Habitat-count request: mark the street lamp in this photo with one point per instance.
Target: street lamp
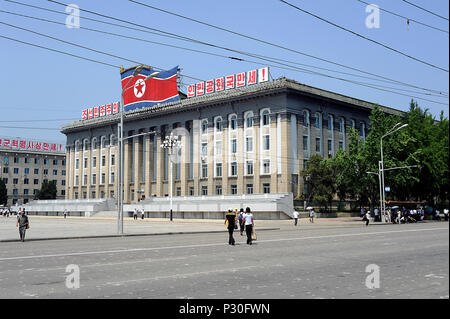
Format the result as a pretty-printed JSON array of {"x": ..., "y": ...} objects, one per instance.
[
  {"x": 136, "y": 72},
  {"x": 170, "y": 143},
  {"x": 394, "y": 129}
]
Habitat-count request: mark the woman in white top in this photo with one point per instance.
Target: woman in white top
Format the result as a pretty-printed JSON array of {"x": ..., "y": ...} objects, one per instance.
[{"x": 249, "y": 224}]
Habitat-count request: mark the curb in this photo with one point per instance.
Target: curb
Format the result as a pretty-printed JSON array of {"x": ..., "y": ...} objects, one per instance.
[{"x": 126, "y": 235}]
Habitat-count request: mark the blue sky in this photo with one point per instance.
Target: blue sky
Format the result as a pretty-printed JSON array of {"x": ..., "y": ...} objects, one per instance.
[{"x": 46, "y": 90}]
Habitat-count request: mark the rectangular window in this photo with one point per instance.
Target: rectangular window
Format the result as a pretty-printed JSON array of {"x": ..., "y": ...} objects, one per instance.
[
  {"x": 178, "y": 191},
  {"x": 63, "y": 162},
  {"x": 26, "y": 171},
  {"x": 63, "y": 182},
  {"x": 111, "y": 194},
  {"x": 25, "y": 191},
  {"x": 204, "y": 170},
  {"x": 15, "y": 191},
  {"x": 36, "y": 171},
  {"x": 249, "y": 167},
  {"x": 204, "y": 149},
  {"x": 93, "y": 194},
  {"x": 85, "y": 162},
  {"x": 85, "y": 180},
  {"x": 266, "y": 188},
  {"x": 219, "y": 190},
  {"x": 191, "y": 191},
  {"x": 15, "y": 181},
  {"x": 55, "y": 162},
  {"x": 233, "y": 189},
  {"x": 76, "y": 180},
  {"x": 318, "y": 144},
  {"x": 233, "y": 169},
  {"x": 218, "y": 169},
  {"x": 94, "y": 179},
  {"x": 36, "y": 161},
  {"x": 330, "y": 146},
  {"x": 84, "y": 195},
  {"x": 45, "y": 171},
  {"x": 63, "y": 172},
  {"x": 36, "y": 181},
  {"x": 6, "y": 160},
  {"x": 94, "y": 161},
  {"x": 233, "y": 146},
  {"x": 266, "y": 142},
  {"x": 76, "y": 195},
  {"x": 16, "y": 160},
  {"x": 45, "y": 161},
  {"x": 204, "y": 190},
  {"x": 103, "y": 178},
  {"x": 112, "y": 160},
  {"x": 26, "y": 181},
  {"x": 305, "y": 142},
  {"x": 63, "y": 192},
  {"x": 5, "y": 170},
  {"x": 55, "y": 172},
  {"x": 249, "y": 188},
  {"x": 77, "y": 163},
  {"x": 249, "y": 144},
  {"x": 218, "y": 147},
  {"x": 103, "y": 160},
  {"x": 266, "y": 166},
  {"x": 111, "y": 178},
  {"x": 16, "y": 170},
  {"x": 341, "y": 145},
  {"x": 5, "y": 180},
  {"x": 26, "y": 160}
]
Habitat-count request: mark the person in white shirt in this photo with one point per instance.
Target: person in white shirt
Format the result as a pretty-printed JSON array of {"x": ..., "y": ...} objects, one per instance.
[
  {"x": 311, "y": 215},
  {"x": 446, "y": 214},
  {"x": 249, "y": 224},
  {"x": 367, "y": 218},
  {"x": 295, "y": 215}
]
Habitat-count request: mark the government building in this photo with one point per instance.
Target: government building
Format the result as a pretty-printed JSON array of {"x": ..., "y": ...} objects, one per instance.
[
  {"x": 25, "y": 164},
  {"x": 249, "y": 140}
]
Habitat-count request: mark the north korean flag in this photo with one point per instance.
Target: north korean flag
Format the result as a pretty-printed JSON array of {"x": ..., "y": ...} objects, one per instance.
[{"x": 156, "y": 90}]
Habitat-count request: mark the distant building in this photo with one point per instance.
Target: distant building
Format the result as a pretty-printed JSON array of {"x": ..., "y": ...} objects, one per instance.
[
  {"x": 25, "y": 164},
  {"x": 249, "y": 140}
]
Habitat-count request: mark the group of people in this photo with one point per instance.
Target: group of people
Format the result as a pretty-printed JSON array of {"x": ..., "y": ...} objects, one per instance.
[
  {"x": 295, "y": 215},
  {"x": 395, "y": 215},
  {"x": 5, "y": 212},
  {"x": 136, "y": 212},
  {"x": 242, "y": 220}
]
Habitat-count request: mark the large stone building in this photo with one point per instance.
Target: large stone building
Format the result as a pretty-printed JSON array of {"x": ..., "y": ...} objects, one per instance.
[
  {"x": 251, "y": 140},
  {"x": 25, "y": 164}
]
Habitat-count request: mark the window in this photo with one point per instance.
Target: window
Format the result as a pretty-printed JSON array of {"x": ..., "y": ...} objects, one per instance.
[
  {"x": 45, "y": 171},
  {"x": 5, "y": 170},
  {"x": 85, "y": 180},
  {"x": 5, "y": 180},
  {"x": 55, "y": 182},
  {"x": 84, "y": 195},
  {"x": 330, "y": 123},
  {"x": 249, "y": 144},
  {"x": 234, "y": 146},
  {"x": 6, "y": 160},
  {"x": 55, "y": 162},
  {"x": 103, "y": 160},
  {"x": 16, "y": 160},
  {"x": 233, "y": 122},
  {"x": 191, "y": 191},
  {"x": 77, "y": 163},
  {"x": 55, "y": 172},
  {"x": 36, "y": 161},
  {"x": 204, "y": 149},
  {"x": 266, "y": 142},
  {"x": 94, "y": 179},
  {"x": 93, "y": 194},
  {"x": 249, "y": 120},
  {"x": 111, "y": 178},
  {"x": 219, "y": 190},
  {"x": 218, "y": 169},
  {"x": 341, "y": 125},
  {"x": 85, "y": 145},
  {"x": 204, "y": 190},
  {"x": 16, "y": 170},
  {"x": 219, "y": 124},
  {"x": 317, "y": 120},
  {"x": 341, "y": 145},
  {"x": 204, "y": 127},
  {"x": 305, "y": 142},
  {"x": 266, "y": 166},
  {"x": 249, "y": 188},
  {"x": 111, "y": 194},
  {"x": 103, "y": 178},
  {"x": 63, "y": 192},
  {"x": 318, "y": 144},
  {"x": 94, "y": 161},
  {"x": 15, "y": 191},
  {"x": 85, "y": 162},
  {"x": 36, "y": 191},
  {"x": 204, "y": 170},
  {"x": 26, "y": 171},
  {"x": 266, "y": 188},
  {"x": 63, "y": 172},
  {"x": 25, "y": 191},
  {"x": 305, "y": 118},
  {"x": 15, "y": 181},
  {"x": 330, "y": 147},
  {"x": 265, "y": 117},
  {"x": 76, "y": 180},
  {"x": 26, "y": 160},
  {"x": 63, "y": 182},
  {"x": 94, "y": 143},
  {"x": 178, "y": 191},
  {"x": 36, "y": 171},
  {"x": 362, "y": 130},
  {"x": 63, "y": 162},
  {"x": 233, "y": 189},
  {"x": 26, "y": 181},
  {"x": 218, "y": 147},
  {"x": 233, "y": 169},
  {"x": 112, "y": 160},
  {"x": 76, "y": 195},
  {"x": 46, "y": 161},
  {"x": 249, "y": 167}
]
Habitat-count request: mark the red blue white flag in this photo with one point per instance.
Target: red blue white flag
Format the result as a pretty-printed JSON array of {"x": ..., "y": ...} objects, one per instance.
[{"x": 160, "y": 89}]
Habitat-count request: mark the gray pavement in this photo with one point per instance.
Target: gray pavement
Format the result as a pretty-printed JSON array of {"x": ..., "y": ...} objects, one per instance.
[{"x": 327, "y": 260}]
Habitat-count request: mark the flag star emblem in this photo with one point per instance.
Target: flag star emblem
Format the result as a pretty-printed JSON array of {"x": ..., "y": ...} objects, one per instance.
[{"x": 139, "y": 88}]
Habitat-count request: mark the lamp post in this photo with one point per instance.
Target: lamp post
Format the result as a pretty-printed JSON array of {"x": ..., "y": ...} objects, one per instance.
[
  {"x": 136, "y": 72},
  {"x": 170, "y": 143},
  {"x": 394, "y": 129}
]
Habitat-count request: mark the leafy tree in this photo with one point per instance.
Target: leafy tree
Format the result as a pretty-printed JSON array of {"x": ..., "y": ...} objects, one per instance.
[
  {"x": 3, "y": 193},
  {"x": 47, "y": 191}
]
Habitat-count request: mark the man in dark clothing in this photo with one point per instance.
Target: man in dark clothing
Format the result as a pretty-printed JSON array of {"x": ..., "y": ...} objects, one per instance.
[
  {"x": 241, "y": 221},
  {"x": 230, "y": 217},
  {"x": 23, "y": 224}
]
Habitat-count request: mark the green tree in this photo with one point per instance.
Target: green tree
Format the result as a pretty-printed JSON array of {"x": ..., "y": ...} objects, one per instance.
[
  {"x": 3, "y": 193},
  {"x": 47, "y": 191}
]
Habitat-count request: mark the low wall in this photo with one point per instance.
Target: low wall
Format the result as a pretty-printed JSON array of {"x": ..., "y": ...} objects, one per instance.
[{"x": 209, "y": 215}]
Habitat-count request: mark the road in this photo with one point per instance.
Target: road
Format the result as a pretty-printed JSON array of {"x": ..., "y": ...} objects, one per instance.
[{"x": 324, "y": 262}]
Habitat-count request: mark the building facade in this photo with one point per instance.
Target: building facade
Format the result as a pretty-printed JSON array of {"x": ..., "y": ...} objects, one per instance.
[
  {"x": 251, "y": 140},
  {"x": 24, "y": 172}
]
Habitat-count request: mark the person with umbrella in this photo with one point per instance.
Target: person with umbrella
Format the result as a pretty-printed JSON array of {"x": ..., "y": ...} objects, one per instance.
[{"x": 311, "y": 213}]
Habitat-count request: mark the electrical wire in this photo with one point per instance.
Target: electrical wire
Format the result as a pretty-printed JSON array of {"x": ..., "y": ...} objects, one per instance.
[
  {"x": 421, "y": 8},
  {"x": 364, "y": 37}
]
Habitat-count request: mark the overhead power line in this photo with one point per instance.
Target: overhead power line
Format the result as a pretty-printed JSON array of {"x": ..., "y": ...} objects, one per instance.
[
  {"x": 237, "y": 51},
  {"x": 426, "y": 10},
  {"x": 406, "y": 18},
  {"x": 364, "y": 37}
]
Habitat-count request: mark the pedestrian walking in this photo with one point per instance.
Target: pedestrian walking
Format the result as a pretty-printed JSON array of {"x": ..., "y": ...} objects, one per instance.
[
  {"x": 23, "y": 224},
  {"x": 241, "y": 221},
  {"x": 230, "y": 222},
  {"x": 367, "y": 218},
  {"x": 135, "y": 214},
  {"x": 446, "y": 214},
  {"x": 295, "y": 215},
  {"x": 65, "y": 213},
  {"x": 249, "y": 224},
  {"x": 142, "y": 214},
  {"x": 376, "y": 213},
  {"x": 311, "y": 215}
]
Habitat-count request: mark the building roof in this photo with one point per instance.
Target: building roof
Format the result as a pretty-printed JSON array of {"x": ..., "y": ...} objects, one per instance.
[{"x": 268, "y": 88}]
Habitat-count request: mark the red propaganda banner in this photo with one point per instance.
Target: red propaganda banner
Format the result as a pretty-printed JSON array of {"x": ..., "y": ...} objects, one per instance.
[
  {"x": 90, "y": 113},
  {"x": 240, "y": 79},
  {"x": 210, "y": 86},
  {"x": 161, "y": 88},
  {"x": 191, "y": 90},
  {"x": 108, "y": 109},
  {"x": 220, "y": 84},
  {"x": 200, "y": 88},
  {"x": 102, "y": 110},
  {"x": 19, "y": 144},
  {"x": 229, "y": 82},
  {"x": 84, "y": 114},
  {"x": 96, "y": 111},
  {"x": 115, "y": 108},
  {"x": 251, "y": 77}
]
